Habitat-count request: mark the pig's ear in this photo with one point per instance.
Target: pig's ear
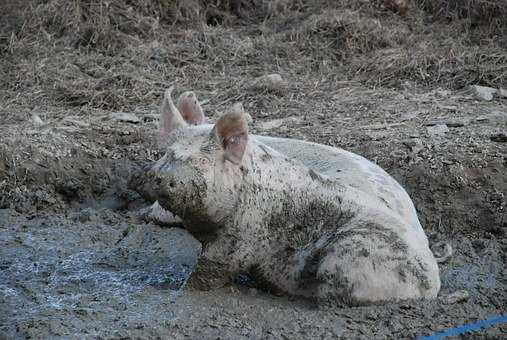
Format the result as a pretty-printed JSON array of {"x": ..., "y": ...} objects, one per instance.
[
  {"x": 231, "y": 131},
  {"x": 170, "y": 116},
  {"x": 190, "y": 109}
]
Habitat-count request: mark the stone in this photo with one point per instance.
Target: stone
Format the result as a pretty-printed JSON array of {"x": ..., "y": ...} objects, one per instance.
[
  {"x": 483, "y": 92},
  {"x": 493, "y": 117},
  {"x": 36, "y": 120},
  {"x": 499, "y": 138},
  {"x": 270, "y": 82},
  {"x": 448, "y": 107},
  {"x": 415, "y": 145},
  {"x": 125, "y": 117},
  {"x": 449, "y": 123},
  {"x": 456, "y": 123},
  {"x": 76, "y": 121},
  {"x": 438, "y": 129},
  {"x": 502, "y": 92},
  {"x": 457, "y": 296}
]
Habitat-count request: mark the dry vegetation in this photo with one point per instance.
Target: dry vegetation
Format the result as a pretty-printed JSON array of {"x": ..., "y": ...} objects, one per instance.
[{"x": 117, "y": 54}]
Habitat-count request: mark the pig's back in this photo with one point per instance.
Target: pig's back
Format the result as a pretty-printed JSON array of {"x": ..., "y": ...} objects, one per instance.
[{"x": 350, "y": 170}]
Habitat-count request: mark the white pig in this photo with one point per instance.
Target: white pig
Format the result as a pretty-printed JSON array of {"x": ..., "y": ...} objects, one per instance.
[{"x": 305, "y": 219}]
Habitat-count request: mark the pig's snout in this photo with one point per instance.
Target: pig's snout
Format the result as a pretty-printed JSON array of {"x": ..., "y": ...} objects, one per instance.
[
  {"x": 172, "y": 184},
  {"x": 148, "y": 183}
]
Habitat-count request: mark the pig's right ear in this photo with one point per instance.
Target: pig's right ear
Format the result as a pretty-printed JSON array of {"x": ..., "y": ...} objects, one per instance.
[
  {"x": 231, "y": 131},
  {"x": 170, "y": 116}
]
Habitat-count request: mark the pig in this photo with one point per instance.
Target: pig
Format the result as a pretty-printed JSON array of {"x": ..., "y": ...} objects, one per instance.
[{"x": 304, "y": 219}]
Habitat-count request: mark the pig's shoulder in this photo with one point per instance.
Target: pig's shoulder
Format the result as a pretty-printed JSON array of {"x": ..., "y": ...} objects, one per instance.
[{"x": 322, "y": 158}]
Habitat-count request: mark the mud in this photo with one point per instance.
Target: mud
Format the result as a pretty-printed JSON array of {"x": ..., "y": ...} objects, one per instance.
[{"x": 77, "y": 261}]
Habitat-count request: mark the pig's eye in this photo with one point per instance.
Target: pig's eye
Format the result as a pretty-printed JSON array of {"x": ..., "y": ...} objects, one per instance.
[
  {"x": 200, "y": 161},
  {"x": 234, "y": 140}
]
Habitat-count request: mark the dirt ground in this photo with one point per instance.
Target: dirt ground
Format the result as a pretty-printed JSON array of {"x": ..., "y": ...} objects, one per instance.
[{"x": 77, "y": 260}]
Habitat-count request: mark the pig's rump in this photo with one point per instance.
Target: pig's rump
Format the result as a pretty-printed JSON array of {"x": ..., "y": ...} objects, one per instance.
[
  {"x": 385, "y": 228},
  {"x": 350, "y": 170}
]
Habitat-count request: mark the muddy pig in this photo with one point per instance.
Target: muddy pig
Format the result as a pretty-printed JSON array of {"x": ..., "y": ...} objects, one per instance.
[{"x": 307, "y": 219}]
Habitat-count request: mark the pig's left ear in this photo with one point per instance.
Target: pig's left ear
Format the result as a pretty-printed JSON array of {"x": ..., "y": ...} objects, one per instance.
[
  {"x": 231, "y": 131},
  {"x": 190, "y": 108}
]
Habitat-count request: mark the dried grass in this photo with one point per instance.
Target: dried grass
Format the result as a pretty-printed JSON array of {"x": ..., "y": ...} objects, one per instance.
[
  {"x": 476, "y": 10},
  {"x": 119, "y": 54}
]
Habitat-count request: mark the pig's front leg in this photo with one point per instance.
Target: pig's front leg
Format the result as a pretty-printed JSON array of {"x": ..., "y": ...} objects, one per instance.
[
  {"x": 225, "y": 255},
  {"x": 209, "y": 275}
]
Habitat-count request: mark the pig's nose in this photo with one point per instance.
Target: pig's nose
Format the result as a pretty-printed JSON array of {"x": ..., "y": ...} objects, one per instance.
[{"x": 158, "y": 180}]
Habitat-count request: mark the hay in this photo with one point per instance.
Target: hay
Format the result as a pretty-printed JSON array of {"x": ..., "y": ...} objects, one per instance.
[
  {"x": 451, "y": 66},
  {"x": 120, "y": 54},
  {"x": 481, "y": 11}
]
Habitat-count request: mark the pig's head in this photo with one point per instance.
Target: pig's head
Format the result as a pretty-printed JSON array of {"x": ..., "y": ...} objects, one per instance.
[{"x": 199, "y": 177}]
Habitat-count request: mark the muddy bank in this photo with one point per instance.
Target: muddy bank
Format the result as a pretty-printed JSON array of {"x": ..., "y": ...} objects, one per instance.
[
  {"x": 80, "y": 263},
  {"x": 95, "y": 273}
]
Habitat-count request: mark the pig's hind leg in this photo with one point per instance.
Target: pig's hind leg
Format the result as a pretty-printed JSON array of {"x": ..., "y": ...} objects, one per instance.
[{"x": 371, "y": 264}]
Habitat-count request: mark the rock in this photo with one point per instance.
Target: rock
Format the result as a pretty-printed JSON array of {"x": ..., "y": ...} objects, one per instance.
[
  {"x": 499, "y": 137},
  {"x": 494, "y": 117},
  {"x": 443, "y": 250},
  {"x": 456, "y": 123},
  {"x": 159, "y": 54},
  {"x": 415, "y": 145},
  {"x": 151, "y": 117},
  {"x": 483, "y": 92},
  {"x": 273, "y": 82},
  {"x": 36, "y": 120},
  {"x": 271, "y": 124},
  {"x": 448, "y": 107},
  {"x": 125, "y": 117},
  {"x": 481, "y": 119},
  {"x": 438, "y": 129},
  {"x": 502, "y": 92},
  {"x": 449, "y": 123},
  {"x": 76, "y": 121},
  {"x": 458, "y": 296},
  {"x": 281, "y": 123}
]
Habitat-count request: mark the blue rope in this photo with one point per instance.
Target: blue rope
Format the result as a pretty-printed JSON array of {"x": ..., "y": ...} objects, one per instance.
[{"x": 466, "y": 328}]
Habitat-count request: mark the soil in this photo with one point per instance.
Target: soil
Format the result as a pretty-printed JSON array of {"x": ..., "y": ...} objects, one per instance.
[{"x": 78, "y": 258}]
